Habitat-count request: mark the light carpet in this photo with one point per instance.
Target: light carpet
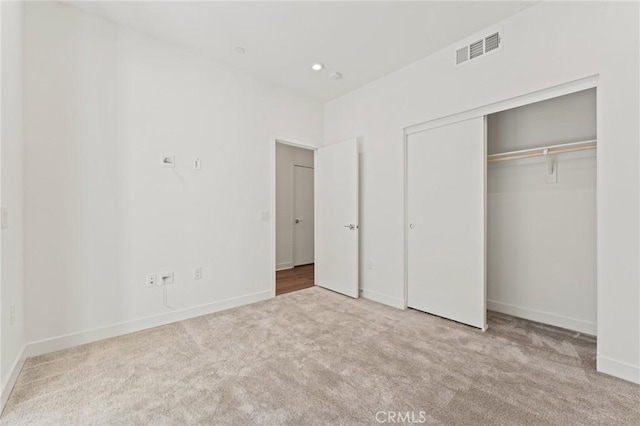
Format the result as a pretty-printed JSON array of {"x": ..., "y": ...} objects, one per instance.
[{"x": 316, "y": 357}]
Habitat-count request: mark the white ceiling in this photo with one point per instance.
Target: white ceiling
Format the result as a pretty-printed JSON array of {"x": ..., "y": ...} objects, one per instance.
[{"x": 362, "y": 40}]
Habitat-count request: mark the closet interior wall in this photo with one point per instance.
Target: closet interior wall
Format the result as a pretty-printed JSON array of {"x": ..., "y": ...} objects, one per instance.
[{"x": 541, "y": 237}]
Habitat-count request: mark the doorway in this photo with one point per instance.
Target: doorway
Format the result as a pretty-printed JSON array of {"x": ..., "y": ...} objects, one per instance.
[
  {"x": 335, "y": 217},
  {"x": 295, "y": 219},
  {"x": 541, "y": 212}
]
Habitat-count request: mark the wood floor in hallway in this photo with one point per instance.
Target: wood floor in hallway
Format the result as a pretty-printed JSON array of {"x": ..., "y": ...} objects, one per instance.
[{"x": 294, "y": 279}]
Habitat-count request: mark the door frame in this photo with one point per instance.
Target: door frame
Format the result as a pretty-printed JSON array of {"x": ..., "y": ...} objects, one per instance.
[
  {"x": 585, "y": 83},
  {"x": 273, "y": 141}
]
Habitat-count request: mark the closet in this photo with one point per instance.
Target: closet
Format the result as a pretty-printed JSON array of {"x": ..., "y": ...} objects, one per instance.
[{"x": 501, "y": 215}]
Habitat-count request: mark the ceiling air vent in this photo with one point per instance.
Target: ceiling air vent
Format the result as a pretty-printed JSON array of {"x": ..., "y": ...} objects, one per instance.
[
  {"x": 492, "y": 42},
  {"x": 478, "y": 48},
  {"x": 462, "y": 55}
]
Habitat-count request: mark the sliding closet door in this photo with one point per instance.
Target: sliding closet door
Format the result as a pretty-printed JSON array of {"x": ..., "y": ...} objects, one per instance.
[{"x": 446, "y": 215}]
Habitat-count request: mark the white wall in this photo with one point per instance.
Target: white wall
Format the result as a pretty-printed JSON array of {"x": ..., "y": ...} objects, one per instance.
[
  {"x": 546, "y": 45},
  {"x": 286, "y": 157},
  {"x": 103, "y": 104},
  {"x": 541, "y": 237},
  {"x": 12, "y": 288}
]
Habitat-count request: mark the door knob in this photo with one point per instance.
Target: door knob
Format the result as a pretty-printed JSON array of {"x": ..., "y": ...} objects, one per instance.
[
  {"x": 351, "y": 226},
  {"x": 298, "y": 220},
  {"x": 412, "y": 226}
]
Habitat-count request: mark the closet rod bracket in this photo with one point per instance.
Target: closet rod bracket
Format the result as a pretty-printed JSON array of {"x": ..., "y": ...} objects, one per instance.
[{"x": 552, "y": 167}]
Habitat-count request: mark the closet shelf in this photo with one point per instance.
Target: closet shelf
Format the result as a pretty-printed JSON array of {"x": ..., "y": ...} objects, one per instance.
[{"x": 544, "y": 151}]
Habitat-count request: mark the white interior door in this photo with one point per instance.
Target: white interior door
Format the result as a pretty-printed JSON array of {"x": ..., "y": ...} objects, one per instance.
[
  {"x": 302, "y": 215},
  {"x": 446, "y": 171},
  {"x": 336, "y": 263}
]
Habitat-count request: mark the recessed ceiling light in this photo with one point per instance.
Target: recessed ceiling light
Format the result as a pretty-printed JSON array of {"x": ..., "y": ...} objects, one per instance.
[
  {"x": 239, "y": 50},
  {"x": 317, "y": 66},
  {"x": 335, "y": 76}
]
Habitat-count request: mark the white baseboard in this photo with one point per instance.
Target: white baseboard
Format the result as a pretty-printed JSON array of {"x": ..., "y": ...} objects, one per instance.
[
  {"x": 283, "y": 266},
  {"x": 581, "y": 326},
  {"x": 7, "y": 386},
  {"x": 67, "y": 341},
  {"x": 382, "y": 298},
  {"x": 622, "y": 370}
]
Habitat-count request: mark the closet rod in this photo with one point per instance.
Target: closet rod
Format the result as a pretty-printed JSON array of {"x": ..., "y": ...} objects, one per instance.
[{"x": 543, "y": 151}]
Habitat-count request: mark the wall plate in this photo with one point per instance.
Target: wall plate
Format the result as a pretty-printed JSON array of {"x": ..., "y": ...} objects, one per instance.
[
  {"x": 4, "y": 218},
  {"x": 166, "y": 278},
  {"x": 197, "y": 273},
  {"x": 168, "y": 161},
  {"x": 152, "y": 280}
]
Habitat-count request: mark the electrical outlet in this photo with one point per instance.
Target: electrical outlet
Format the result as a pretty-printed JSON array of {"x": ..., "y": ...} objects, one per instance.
[
  {"x": 166, "y": 278},
  {"x": 197, "y": 273},
  {"x": 152, "y": 280},
  {"x": 12, "y": 314},
  {"x": 370, "y": 265}
]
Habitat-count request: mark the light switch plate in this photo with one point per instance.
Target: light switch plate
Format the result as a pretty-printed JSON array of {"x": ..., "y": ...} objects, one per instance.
[
  {"x": 197, "y": 273},
  {"x": 4, "y": 218}
]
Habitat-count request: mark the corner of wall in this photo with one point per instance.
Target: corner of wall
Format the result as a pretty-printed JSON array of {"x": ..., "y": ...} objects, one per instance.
[
  {"x": 618, "y": 369},
  {"x": 7, "y": 386},
  {"x": 11, "y": 178}
]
